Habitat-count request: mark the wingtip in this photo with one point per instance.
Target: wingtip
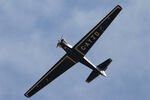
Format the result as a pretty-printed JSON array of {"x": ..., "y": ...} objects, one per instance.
[
  {"x": 118, "y": 6},
  {"x": 110, "y": 60},
  {"x": 26, "y": 95}
]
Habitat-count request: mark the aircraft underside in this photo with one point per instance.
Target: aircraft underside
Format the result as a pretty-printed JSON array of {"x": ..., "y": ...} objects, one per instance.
[{"x": 77, "y": 54}]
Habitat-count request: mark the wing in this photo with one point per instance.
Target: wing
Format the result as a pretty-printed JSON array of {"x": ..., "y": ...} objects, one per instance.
[
  {"x": 89, "y": 39},
  {"x": 60, "y": 67}
]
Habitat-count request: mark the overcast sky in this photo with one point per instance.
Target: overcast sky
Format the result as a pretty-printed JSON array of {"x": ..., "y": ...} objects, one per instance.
[{"x": 29, "y": 30}]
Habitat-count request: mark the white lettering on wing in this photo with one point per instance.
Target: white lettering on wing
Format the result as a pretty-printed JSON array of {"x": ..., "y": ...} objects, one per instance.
[{"x": 89, "y": 41}]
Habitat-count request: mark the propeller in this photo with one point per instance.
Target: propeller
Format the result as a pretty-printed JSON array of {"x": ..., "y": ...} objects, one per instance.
[
  {"x": 59, "y": 41},
  {"x": 58, "y": 44},
  {"x": 61, "y": 37}
]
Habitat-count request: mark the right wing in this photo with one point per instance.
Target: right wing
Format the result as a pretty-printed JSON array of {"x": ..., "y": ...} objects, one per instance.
[
  {"x": 60, "y": 67},
  {"x": 89, "y": 39}
]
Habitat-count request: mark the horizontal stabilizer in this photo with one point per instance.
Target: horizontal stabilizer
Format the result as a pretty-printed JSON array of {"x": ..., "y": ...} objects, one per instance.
[
  {"x": 92, "y": 76},
  {"x": 102, "y": 67}
]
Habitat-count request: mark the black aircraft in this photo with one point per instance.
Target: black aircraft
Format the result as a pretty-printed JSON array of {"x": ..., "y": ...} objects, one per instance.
[{"x": 77, "y": 54}]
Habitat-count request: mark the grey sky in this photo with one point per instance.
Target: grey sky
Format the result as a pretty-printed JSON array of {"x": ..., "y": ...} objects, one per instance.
[{"x": 29, "y": 30}]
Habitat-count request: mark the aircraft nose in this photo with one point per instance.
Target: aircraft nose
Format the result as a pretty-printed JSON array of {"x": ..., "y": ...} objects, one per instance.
[
  {"x": 58, "y": 44},
  {"x": 62, "y": 40}
]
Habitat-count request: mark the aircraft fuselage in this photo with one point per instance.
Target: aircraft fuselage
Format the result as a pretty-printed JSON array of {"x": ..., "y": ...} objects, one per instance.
[
  {"x": 77, "y": 54},
  {"x": 77, "y": 57}
]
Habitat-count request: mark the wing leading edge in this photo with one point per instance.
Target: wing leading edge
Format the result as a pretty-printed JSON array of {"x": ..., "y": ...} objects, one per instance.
[
  {"x": 89, "y": 39},
  {"x": 60, "y": 67}
]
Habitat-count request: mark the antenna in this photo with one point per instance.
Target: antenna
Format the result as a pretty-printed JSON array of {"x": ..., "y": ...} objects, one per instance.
[{"x": 61, "y": 37}]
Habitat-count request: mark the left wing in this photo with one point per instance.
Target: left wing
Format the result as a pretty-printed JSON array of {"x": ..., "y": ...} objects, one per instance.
[
  {"x": 60, "y": 67},
  {"x": 89, "y": 39}
]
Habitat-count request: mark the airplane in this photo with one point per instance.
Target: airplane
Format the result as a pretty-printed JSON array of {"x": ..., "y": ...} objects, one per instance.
[{"x": 76, "y": 53}]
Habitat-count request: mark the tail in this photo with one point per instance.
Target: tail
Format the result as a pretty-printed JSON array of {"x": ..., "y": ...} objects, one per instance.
[{"x": 102, "y": 67}]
